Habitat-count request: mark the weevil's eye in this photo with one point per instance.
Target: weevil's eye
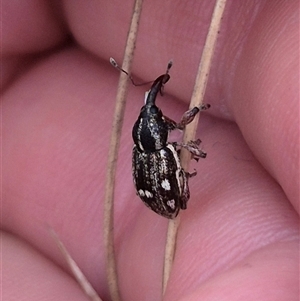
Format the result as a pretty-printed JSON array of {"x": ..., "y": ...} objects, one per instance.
[{"x": 155, "y": 110}]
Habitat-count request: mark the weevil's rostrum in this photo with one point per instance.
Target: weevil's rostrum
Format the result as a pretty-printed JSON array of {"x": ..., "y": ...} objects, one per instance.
[{"x": 160, "y": 181}]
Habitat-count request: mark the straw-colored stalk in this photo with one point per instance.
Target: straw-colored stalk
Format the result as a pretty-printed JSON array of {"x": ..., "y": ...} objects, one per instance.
[{"x": 190, "y": 131}]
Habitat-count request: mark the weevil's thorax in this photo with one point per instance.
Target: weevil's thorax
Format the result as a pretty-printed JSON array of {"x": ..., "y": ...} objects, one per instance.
[{"x": 150, "y": 131}]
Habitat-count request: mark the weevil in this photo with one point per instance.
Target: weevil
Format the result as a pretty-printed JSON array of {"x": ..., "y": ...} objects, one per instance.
[{"x": 158, "y": 176}]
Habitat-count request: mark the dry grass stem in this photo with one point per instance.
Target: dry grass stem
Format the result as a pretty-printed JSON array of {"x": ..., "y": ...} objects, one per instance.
[
  {"x": 111, "y": 271},
  {"x": 77, "y": 273},
  {"x": 170, "y": 249},
  {"x": 190, "y": 131}
]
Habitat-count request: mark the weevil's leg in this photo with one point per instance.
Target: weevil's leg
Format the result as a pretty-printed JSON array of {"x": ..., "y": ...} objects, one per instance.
[
  {"x": 190, "y": 175},
  {"x": 193, "y": 157},
  {"x": 187, "y": 117},
  {"x": 172, "y": 125},
  {"x": 193, "y": 148},
  {"x": 204, "y": 106}
]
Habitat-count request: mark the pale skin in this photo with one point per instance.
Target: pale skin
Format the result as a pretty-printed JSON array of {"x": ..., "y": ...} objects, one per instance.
[{"x": 238, "y": 238}]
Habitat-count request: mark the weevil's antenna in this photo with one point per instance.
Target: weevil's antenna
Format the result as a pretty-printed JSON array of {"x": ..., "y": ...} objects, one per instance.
[
  {"x": 170, "y": 64},
  {"x": 115, "y": 64}
]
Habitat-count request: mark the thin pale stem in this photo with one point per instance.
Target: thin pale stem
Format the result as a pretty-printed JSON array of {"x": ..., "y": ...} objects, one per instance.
[
  {"x": 190, "y": 131},
  {"x": 77, "y": 273},
  {"x": 170, "y": 249},
  {"x": 111, "y": 270}
]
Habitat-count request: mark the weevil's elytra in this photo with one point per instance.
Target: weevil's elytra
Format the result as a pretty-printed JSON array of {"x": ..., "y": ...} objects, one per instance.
[{"x": 159, "y": 179}]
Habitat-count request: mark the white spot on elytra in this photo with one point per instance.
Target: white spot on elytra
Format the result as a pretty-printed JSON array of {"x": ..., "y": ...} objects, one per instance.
[
  {"x": 171, "y": 204},
  {"x": 165, "y": 184},
  {"x": 141, "y": 192},
  {"x": 148, "y": 194}
]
